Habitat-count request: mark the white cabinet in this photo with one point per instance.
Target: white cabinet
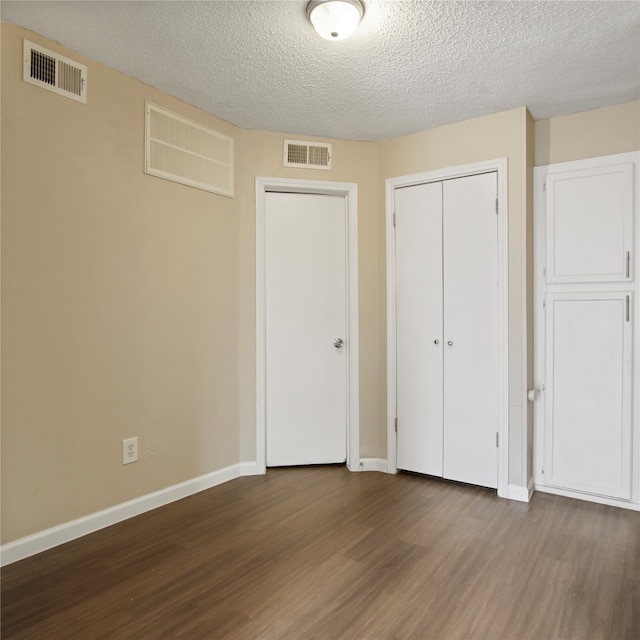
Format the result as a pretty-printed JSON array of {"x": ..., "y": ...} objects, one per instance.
[
  {"x": 447, "y": 334},
  {"x": 590, "y": 224},
  {"x": 587, "y": 300},
  {"x": 588, "y": 399}
]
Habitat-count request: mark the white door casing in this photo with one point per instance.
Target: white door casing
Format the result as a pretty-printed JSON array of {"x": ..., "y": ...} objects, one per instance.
[
  {"x": 586, "y": 274},
  {"x": 393, "y": 186},
  {"x": 305, "y": 297},
  {"x": 347, "y": 192}
]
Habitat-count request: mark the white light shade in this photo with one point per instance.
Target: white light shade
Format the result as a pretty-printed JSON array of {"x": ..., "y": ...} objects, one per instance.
[{"x": 335, "y": 19}]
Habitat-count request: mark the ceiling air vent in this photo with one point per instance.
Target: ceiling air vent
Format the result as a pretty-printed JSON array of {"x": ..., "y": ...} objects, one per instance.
[
  {"x": 307, "y": 155},
  {"x": 54, "y": 72},
  {"x": 184, "y": 151}
]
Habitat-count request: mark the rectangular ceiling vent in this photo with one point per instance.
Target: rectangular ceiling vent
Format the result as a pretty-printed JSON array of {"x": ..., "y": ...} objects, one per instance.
[
  {"x": 184, "y": 151},
  {"x": 54, "y": 72},
  {"x": 307, "y": 155}
]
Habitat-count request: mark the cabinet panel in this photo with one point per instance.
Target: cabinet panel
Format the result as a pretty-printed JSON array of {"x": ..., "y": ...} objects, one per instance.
[
  {"x": 419, "y": 327},
  {"x": 590, "y": 224},
  {"x": 471, "y": 368},
  {"x": 588, "y": 393}
]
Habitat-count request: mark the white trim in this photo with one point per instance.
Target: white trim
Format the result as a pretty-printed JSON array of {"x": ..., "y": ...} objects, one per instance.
[
  {"x": 612, "y": 502},
  {"x": 540, "y": 289},
  {"x": 374, "y": 464},
  {"x": 43, "y": 540},
  {"x": 350, "y": 191},
  {"x": 500, "y": 166},
  {"x": 521, "y": 494}
]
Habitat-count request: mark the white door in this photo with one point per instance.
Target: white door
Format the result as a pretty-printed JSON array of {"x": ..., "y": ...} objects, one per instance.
[
  {"x": 588, "y": 393},
  {"x": 419, "y": 328},
  {"x": 305, "y": 317},
  {"x": 447, "y": 366},
  {"x": 471, "y": 359}
]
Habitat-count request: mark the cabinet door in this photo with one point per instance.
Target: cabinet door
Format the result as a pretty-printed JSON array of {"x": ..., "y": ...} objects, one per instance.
[
  {"x": 588, "y": 393},
  {"x": 419, "y": 327},
  {"x": 590, "y": 224},
  {"x": 471, "y": 364}
]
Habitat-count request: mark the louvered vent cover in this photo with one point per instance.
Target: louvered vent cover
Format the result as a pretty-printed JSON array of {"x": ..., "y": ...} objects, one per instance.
[
  {"x": 184, "y": 151},
  {"x": 54, "y": 72},
  {"x": 309, "y": 155}
]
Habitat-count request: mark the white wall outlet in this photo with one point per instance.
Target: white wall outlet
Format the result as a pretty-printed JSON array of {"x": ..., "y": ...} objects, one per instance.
[{"x": 130, "y": 450}]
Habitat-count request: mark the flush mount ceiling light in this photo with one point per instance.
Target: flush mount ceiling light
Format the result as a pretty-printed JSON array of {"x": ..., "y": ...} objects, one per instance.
[{"x": 335, "y": 19}]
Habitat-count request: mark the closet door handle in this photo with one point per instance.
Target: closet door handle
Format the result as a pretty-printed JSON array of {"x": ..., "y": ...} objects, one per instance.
[
  {"x": 628, "y": 261},
  {"x": 436, "y": 342},
  {"x": 450, "y": 343}
]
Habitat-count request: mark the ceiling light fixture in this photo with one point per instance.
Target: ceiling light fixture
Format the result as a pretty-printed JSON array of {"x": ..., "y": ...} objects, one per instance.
[{"x": 335, "y": 19}]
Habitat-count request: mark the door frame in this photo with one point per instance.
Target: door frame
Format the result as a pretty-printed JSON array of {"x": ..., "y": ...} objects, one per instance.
[
  {"x": 498, "y": 165},
  {"x": 349, "y": 191},
  {"x": 540, "y": 174}
]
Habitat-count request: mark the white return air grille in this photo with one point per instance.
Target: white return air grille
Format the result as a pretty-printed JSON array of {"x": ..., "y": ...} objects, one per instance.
[
  {"x": 308, "y": 155},
  {"x": 54, "y": 72},
  {"x": 184, "y": 151}
]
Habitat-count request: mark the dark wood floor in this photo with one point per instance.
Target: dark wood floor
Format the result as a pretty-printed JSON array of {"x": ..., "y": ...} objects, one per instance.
[{"x": 322, "y": 553}]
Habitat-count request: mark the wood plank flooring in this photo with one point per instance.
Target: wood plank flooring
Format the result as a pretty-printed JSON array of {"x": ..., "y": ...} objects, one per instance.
[{"x": 322, "y": 553}]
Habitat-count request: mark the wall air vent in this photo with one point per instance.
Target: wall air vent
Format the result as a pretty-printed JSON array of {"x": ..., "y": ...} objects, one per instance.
[
  {"x": 307, "y": 155},
  {"x": 54, "y": 72},
  {"x": 184, "y": 151}
]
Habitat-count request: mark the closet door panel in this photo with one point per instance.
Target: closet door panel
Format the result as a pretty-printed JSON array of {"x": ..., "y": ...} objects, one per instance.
[
  {"x": 471, "y": 345},
  {"x": 419, "y": 327}
]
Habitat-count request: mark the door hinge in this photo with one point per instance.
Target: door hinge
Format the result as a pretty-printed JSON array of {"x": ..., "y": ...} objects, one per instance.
[
  {"x": 394, "y": 218},
  {"x": 497, "y": 440},
  {"x": 544, "y": 186},
  {"x": 396, "y": 425},
  {"x": 496, "y": 206}
]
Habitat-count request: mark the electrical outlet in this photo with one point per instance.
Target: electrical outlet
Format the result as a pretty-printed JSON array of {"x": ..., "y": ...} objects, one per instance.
[{"x": 130, "y": 450}]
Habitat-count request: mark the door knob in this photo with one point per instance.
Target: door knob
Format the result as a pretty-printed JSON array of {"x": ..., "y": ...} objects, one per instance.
[
  {"x": 338, "y": 343},
  {"x": 450, "y": 343},
  {"x": 436, "y": 342}
]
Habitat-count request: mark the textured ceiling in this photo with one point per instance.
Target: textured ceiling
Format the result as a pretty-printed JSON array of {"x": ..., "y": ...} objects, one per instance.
[{"x": 411, "y": 65}]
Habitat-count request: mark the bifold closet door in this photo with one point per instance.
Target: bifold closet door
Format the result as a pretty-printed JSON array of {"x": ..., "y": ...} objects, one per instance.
[
  {"x": 419, "y": 328},
  {"x": 471, "y": 350},
  {"x": 447, "y": 329}
]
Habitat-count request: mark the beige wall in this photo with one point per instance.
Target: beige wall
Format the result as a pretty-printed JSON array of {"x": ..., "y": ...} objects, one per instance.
[
  {"x": 528, "y": 274},
  {"x": 129, "y": 301},
  {"x": 120, "y": 304},
  {"x": 496, "y": 136},
  {"x": 589, "y": 134}
]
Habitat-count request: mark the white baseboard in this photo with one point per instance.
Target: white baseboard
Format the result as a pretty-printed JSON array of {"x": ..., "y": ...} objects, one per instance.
[
  {"x": 374, "y": 464},
  {"x": 43, "y": 540},
  {"x": 520, "y": 493}
]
